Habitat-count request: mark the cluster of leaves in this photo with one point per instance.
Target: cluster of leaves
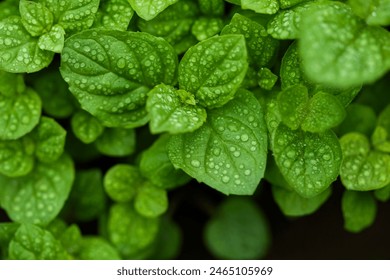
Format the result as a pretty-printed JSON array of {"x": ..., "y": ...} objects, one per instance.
[{"x": 225, "y": 92}]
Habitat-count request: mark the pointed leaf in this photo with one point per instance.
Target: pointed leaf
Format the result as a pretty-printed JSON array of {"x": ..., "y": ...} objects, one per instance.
[{"x": 149, "y": 9}]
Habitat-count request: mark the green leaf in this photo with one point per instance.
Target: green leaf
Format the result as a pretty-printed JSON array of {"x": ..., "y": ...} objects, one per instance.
[
  {"x": 213, "y": 69},
  {"x": 168, "y": 241},
  {"x": 53, "y": 40},
  {"x": 87, "y": 199},
  {"x": 309, "y": 162},
  {"x": 116, "y": 142},
  {"x": 238, "y": 230},
  {"x": 19, "y": 51},
  {"x": 39, "y": 196},
  {"x": 359, "y": 118},
  {"x": 97, "y": 248},
  {"x": 359, "y": 210},
  {"x": 294, "y": 205},
  {"x": 49, "y": 137},
  {"x": 351, "y": 52},
  {"x": 363, "y": 169},
  {"x": 9, "y": 8},
  {"x": 114, "y": 14},
  {"x": 122, "y": 181},
  {"x": 149, "y": 9},
  {"x": 206, "y": 27},
  {"x": 272, "y": 117},
  {"x": 383, "y": 194},
  {"x": 11, "y": 84},
  {"x": 110, "y": 73},
  {"x": 71, "y": 239},
  {"x": 381, "y": 135},
  {"x": 36, "y": 18},
  {"x": 260, "y": 46},
  {"x": 174, "y": 111},
  {"x": 7, "y": 232},
  {"x": 86, "y": 127},
  {"x": 212, "y": 7},
  {"x": 158, "y": 169},
  {"x": 261, "y": 6},
  {"x": 130, "y": 232},
  {"x": 289, "y": 3},
  {"x": 229, "y": 151},
  {"x": 16, "y": 157},
  {"x": 34, "y": 243},
  {"x": 267, "y": 79},
  {"x": 73, "y": 15},
  {"x": 375, "y": 12},
  {"x": 19, "y": 113},
  {"x": 151, "y": 201}
]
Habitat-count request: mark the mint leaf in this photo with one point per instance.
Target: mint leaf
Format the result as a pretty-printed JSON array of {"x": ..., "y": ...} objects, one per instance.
[
  {"x": 116, "y": 142},
  {"x": 359, "y": 210},
  {"x": 158, "y": 169},
  {"x": 359, "y": 118},
  {"x": 122, "y": 181},
  {"x": 213, "y": 69},
  {"x": 383, "y": 194},
  {"x": 261, "y": 6},
  {"x": 49, "y": 137},
  {"x": 351, "y": 52},
  {"x": 149, "y": 9},
  {"x": 150, "y": 201},
  {"x": 39, "y": 196},
  {"x": 174, "y": 111},
  {"x": 11, "y": 84},
  {"x": 34, "y": 243},
  {"x": 212, "y": 7},
  {"x": 229, "y": 151},
  {"x": 267, "y": 79},
  {"x": 7, "y": 232},
  {"x": 168, "y": 241},
  {"x": 36, "y": 18},
  {"x": 130, "y": 232},
  {"x": 376, "y": 12},
  {"x": 86, "y": 127},
  {"x": 114, "y": 14},
  {"x": 20, "y": 52},
  {"x": 381, "y": 135},
  {"x": 289, "y": 3},
  {"x": 19, "y": 113},
  {"x": 97, "y": 248},
  {"x": 294, "y": 205},
  {"x": 17, "y": 157},
  {"x": 71, "y": 238},
  {"x": 53, "y": 40},
  {"x": 260, "y": 46},
  {"x": 363, "y": 169},
  {"x": 309, "y": 162},
  {"x": 110, "y": 73},
  {"x": 238, "y": 230},
  {"x": 206, "y": 27},
  {"x": 9, "y": 8}
]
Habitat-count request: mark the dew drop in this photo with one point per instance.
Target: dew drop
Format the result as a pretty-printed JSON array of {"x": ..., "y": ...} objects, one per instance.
[
  {"x": 244, "y": 137},
  {"x": 225, "y": 179},
  {"x": 195, "y": 163}
]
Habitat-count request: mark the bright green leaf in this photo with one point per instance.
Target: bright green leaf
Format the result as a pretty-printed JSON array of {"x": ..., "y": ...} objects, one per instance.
[
  {"x": 53, "y": 40},
  {"x": 290, "y": 3},
  {"x": 229, "y": 151},
  {"x": 7, "y": 232},
  {"x": 110, "y": 73},
  {"x": 97, "y": 248},
  {"x": 359, "y": 210},
  {"x": 149, "y": 9},
  {"x": 261, "y": 6},
  {"x": 238, "y": 230},
  {"x": 114, "y": 14},
  {"x": 213, "y": 69},
  {"x": 86, "y": 127},
  {"x": 116, "y": 142},
  {"x": 267, "y": 79},
  {"x": 9, "y": 8},
  {"x": 71, "y": 238},
  {"x": 173, "y": 110},
  {"x": 375, "y": 12},
  {"x": 206, "y": 27},
  {"x": 151, "y": 201},
  {"x": 36, "y": 18},
  {"x": 309, "y": 162}
]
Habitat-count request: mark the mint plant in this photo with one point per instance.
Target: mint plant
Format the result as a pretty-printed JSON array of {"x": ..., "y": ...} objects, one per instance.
[{"x": 110, "y": 110}]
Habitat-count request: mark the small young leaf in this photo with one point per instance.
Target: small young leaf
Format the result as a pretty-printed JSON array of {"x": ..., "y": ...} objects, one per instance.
[
  {"x": 261, "y": 6},
  {"x": 363, "y": 169},
  {"x": 151, "y": 201},
  {"x": 309, "y": 162},
  {"x": 116, "y": 142},
  {"x": 20, "y": 53},
  {"x": 294, "y": 205},
  {"x": 34, "y": 243},
  {"x": 359, "y": 118},
  {"x": 156, "y": 166},
  {"x": 110, "y": 73},
  {"x": 260, "y": 46},
  {"x": 267, "y": 79},
  {"x": 38, "y": 197},
  {"x": 53, "y": 40},
  {"x": 359, "y": 210},
  {"x": 381, "y": 135},
  {"x": 130, "y": 232},
  {"x": 122, "y": 181},
  {"x": 343, "y": 50},
  {"x": 238, "y": 230},
  {"x": 97, "y": 248},
  {"x": 149, "y": 9},
  {"x": 376, "y": 12},
  {"x": 206, "y": 27},
  {"x": 50, "y": 140},
  {"x": 229, "y": 151},
  {"x": 17, "y": 157},
  {"x": 213, "y": 69},
  {"x": 383, "y": 194},
  {"x": 19, "y": 113},
  {"x": 70, "y": 239},
  {"x": 114, "y": 14},
  {"x": 173, "y": 110},
  {"x": 86, "y": 127},
  {"x": 36, "y": 18}
]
